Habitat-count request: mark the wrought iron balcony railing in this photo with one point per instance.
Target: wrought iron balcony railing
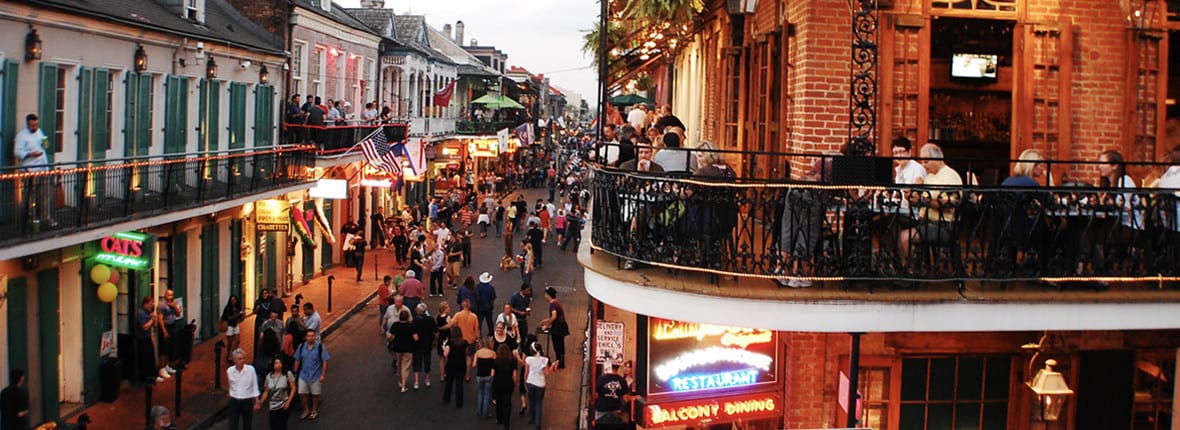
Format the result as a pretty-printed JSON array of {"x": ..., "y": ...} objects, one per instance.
[
  {"x": 83, "y": 195},
  {"x": 821, "y": 232},
  {"x": 334, "y": 139},
  {"x": 483, "y": 127}
]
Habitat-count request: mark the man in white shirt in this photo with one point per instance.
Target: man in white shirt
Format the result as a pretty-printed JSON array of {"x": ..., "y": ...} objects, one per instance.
[
  {"x": 29, "y": 147},
  {"x": 243, "y": 391},
  {"x": 637, "y": 117}
]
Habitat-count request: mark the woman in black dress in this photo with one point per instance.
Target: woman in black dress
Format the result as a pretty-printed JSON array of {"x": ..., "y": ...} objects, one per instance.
[
  {"x": 454, "y": 353},
  {"x": 504, "y": 377}
]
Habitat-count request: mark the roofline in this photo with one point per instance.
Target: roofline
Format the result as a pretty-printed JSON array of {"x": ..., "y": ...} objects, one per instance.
[{"x": 166, "y": 30}]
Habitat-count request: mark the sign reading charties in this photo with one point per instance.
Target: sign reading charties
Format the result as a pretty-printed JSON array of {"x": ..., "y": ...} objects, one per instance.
[
  {"x": 131, "y": 250},
  {"x": 272, "y": 215},
  {"x": 689, "y": 357}
]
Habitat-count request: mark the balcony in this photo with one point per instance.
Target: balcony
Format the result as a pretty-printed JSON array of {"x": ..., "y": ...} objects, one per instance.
[
  {"x": 74, "y": 197},
  {"x": 695, "y": 238},
  {"x": 334, "y": 140},
  {"x": 483, "y": 127}
]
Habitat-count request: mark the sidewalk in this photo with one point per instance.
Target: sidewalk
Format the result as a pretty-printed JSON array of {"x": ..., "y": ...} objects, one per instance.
[{"x": 200, "y": 404}]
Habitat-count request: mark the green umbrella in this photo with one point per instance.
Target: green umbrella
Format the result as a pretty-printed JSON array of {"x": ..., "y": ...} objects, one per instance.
[
  {"x": 630, "y": 99},
  {"x": 497, "y": 102}
]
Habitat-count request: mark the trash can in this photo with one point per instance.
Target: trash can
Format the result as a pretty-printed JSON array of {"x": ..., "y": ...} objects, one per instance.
[{"x": 108, "y": 375}]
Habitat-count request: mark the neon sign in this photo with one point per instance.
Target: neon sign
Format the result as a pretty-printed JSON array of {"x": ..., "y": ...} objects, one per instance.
[
  {"x": 727, "y": 409},
  {"x": 130, "y": 250},
  {"x": 685, "y": 357}
]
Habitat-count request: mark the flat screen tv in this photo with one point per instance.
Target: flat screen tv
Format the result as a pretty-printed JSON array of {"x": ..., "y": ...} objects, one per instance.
[{"x": 974, "y": 66}]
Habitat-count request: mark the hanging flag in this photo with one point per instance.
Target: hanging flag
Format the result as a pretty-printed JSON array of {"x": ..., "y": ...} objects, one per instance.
[
  {"x": 525, "y": 134},
  {"x": 443, "y": 97},
  {"x": 321, "y": 221},
  {"x": 299, "y": 221},
  {"x": 503, "y": 136},
  {"x": 379, "y": 153}
]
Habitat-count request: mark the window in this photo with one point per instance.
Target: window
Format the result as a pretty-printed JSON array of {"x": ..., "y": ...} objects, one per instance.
[
  {"x": 60, "y": 111},
  {"x": 955, "y": 393},
  {"x": 110, "y": 99},
  {"x": 1155, "y": 378},
  {"x": 315, "y": 69},
  {"x": 873, "y": 386},
  {"x": 297, "y": 67}
]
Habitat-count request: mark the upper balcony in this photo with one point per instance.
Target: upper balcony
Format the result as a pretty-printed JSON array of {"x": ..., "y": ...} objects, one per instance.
[
  {"x": 883, "y": 257},
  {"x": 483, "y": 127},
  {"x": 70, "y": 203},
  {"x": 336, "y": 144}
]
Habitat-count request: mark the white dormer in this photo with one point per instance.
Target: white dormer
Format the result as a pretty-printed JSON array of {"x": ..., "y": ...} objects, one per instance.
[
  {"x": 326, "y": 5},
  {"x": 194, "y": 10}
]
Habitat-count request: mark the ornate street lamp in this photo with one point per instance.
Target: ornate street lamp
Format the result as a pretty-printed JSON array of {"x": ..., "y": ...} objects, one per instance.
[
  {"x": 33, "y": 47},
  {"x": 264, "y": 75},
  {"x": 211, "y": 69},
  {"x": 140, "y": 60},
  {"x": 1051, "y": 391}
]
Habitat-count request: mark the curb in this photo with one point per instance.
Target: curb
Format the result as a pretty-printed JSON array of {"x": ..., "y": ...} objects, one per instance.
[{"x": 221, "y": 413}]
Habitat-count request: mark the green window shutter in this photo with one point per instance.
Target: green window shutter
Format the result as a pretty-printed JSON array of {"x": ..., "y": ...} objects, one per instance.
[
  {"x": 264, "y": 116},
  {"x": 203, "y": 114},
  {"x": 131, "y": 115},
  {"x": 47, "y": 104},
  {"x": 100, "y": 125},
  {"x": 214, "y": 116},
  {"x": 237, "y": 115},
  {"x": 143, "y": 115},
  {"x": 176, "y": 115},
  {"x": 8, "y": 127},
  {"x": 85, "y": 105}
]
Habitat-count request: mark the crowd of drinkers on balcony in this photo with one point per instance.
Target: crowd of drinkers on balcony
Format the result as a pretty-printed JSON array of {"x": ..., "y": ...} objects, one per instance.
[
  {"x": 658, "y": 203},
  {"x": 335, "y": 124}
]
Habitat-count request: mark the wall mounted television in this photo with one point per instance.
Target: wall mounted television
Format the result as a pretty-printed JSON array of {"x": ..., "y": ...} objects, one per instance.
[{"x": 974, "y": 66}]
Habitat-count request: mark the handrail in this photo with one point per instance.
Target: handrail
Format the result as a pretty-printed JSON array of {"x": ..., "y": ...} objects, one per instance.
[
  {"x": 774, "y": 229},
  {"x": 167, "y": 158}
]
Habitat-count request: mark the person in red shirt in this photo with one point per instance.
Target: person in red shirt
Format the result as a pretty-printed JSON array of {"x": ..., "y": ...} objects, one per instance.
[{"x": 384, "y": 294}]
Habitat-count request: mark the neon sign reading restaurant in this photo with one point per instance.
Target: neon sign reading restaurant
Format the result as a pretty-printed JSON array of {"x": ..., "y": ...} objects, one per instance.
[{"x": 685, "y": 357}]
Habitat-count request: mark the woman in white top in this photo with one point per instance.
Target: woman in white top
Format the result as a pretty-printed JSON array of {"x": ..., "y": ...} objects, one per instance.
[
  {"x": 1113, "y": 173},
  {"x": 539, "y": 368},
  {"x": 511, "y": 326}
]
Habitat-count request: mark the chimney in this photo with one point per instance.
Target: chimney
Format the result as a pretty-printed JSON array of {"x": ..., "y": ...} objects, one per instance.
[
  {"x": 459, "y": 33},
  {"x": 373, "y": 4},
  {"x": 447, "y": 31}
]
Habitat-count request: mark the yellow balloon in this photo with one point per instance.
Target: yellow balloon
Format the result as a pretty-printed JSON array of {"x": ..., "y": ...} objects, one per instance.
[
  {"x": 107, "y": 292},
  {"x": 100, "y": 274}
]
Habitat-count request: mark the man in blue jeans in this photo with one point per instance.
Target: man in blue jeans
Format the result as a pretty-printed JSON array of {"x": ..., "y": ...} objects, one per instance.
[{"x": 485, "y": 301}]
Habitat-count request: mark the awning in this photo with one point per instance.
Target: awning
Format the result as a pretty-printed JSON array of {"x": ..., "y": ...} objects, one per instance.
[{"x": 497, "y": 102}]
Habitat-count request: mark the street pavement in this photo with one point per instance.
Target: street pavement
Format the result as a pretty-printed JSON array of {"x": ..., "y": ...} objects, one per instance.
[{"x": 361, "y": 390}]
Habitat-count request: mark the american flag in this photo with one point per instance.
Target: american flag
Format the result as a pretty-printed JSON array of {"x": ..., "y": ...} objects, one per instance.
[{"x": 379, "y": 153}]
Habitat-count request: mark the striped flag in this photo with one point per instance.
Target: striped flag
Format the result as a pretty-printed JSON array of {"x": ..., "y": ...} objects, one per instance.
[{"x": 379, "y": 153}]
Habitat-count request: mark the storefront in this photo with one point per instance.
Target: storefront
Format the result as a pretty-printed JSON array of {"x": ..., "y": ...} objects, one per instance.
[{"x": 691, "y": 375}]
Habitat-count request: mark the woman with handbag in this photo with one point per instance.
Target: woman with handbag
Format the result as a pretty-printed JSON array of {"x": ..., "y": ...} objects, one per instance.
[{"x": 231, "y": 316}]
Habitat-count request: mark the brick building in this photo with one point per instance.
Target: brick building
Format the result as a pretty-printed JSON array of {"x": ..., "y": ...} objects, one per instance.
[{"x": 985, "y": 80}]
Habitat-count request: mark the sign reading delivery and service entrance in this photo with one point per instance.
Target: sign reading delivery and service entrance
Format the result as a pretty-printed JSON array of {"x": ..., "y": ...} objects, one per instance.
[
  {"x": 688, "y": 357},
  {"x": 131, "y": 250}
]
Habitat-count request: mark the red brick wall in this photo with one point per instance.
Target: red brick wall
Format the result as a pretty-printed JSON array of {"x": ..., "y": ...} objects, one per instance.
[
  {"x": 806, "y": 373},
  {"x": 821, "y": 77},
  {"x": 270, "y": 14}
]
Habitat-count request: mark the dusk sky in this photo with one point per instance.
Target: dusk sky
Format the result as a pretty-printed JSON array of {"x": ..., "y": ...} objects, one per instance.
[{"x": 543, "y": 36}]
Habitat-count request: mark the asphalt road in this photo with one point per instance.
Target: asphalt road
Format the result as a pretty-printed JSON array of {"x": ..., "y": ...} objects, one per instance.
[{"x": 361, "y": 390}]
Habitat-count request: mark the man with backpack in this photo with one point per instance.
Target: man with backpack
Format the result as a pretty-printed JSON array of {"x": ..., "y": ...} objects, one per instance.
[
  {"x": 311, "y": 360},
  {"x": 270, "y": 342}
]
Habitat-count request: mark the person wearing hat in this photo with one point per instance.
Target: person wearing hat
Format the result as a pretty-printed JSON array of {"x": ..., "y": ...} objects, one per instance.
[{"x": 485, "y": 301}]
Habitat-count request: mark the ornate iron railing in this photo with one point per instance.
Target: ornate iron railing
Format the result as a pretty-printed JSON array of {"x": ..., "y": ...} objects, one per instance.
[
  {"x": 330, "y": 139},
  {"x": 84, "y": 195},
  {"x": 483, "y": 127},
  {"x": 814, "y": 231}
]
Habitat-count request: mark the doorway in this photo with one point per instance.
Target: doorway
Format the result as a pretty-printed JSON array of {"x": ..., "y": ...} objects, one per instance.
[
  {"x": 971, "y": 86},
  {"x": 1105, "y": 390}
]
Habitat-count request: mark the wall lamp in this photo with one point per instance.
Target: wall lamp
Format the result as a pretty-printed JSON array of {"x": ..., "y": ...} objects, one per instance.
[
  {"x": 140, "y": 60},
  {"x": 264, "y": 75},
  {"x": 33, "y": 47},
  {"x": 1051, "y": 391},
  {"x": 211, "y": 69}
]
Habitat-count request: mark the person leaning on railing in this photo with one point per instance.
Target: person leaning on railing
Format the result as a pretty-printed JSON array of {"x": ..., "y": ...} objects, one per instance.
[{"x": 30, "y": 145}]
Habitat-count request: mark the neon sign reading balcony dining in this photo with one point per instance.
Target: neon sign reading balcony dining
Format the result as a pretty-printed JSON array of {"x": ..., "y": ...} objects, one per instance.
[{"x": 686, "y": 357}]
